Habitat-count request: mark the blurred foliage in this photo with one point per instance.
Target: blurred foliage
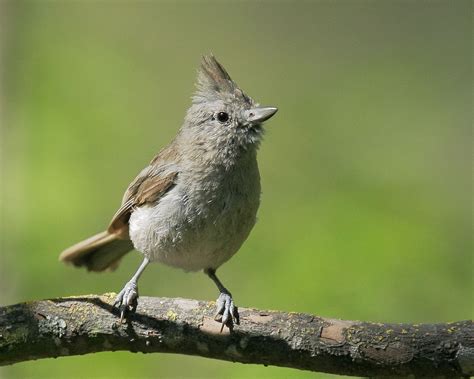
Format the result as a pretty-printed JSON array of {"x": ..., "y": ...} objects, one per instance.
[{"x": 366, "y": 169}]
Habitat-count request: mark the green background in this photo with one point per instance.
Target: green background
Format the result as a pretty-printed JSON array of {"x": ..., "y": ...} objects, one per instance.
[{"x": 366, "y": 169}]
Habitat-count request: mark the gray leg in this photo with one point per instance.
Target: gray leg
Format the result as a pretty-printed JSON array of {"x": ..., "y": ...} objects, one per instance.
[
  {"x": 127, "y": 298},
  {"x": 226, "y": 310}
]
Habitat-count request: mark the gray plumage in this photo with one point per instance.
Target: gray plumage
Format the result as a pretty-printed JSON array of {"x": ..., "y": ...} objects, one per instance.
[{"x": 196, "y": 203}]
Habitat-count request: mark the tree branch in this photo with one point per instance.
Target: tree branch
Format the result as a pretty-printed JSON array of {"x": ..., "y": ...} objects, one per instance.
[{"x": 89, "y": 324}]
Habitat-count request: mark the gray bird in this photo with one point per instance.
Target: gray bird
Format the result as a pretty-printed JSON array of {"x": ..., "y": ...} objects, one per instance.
[{"x": 196, "y": 202}]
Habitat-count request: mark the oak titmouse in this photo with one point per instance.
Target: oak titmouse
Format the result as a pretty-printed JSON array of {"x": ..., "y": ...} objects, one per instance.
[{"x": 195, "y": 204}]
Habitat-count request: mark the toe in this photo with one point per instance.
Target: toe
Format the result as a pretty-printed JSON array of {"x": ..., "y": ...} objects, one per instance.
[
  {"x": 129, "y": 297},
  {"x": 126, "y": 300},
  {"x": 220, "y": 305},
  {"x": 119, "y": 298},
  {"x": 234, "y": 313},
  {"x": 225, "y": 316},
  {"x": 226, "y": 312}
]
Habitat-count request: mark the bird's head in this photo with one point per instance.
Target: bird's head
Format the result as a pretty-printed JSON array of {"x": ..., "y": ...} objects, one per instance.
[{"x": 222, "y": 112}]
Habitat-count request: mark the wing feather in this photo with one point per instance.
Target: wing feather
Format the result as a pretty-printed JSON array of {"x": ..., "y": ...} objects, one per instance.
[{"x": 149, "y": 186}]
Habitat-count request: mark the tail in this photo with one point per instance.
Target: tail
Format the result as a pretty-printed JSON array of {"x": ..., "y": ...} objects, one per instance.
[{"x": 97, "y": 253}]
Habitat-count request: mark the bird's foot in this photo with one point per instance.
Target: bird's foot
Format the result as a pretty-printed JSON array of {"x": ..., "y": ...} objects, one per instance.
[
  {"x": 227, "y": 313},
  {"x": 127, "y": 299}
]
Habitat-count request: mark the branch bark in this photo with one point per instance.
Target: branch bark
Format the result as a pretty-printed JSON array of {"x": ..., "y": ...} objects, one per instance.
[{"x": 89, "y": 324}]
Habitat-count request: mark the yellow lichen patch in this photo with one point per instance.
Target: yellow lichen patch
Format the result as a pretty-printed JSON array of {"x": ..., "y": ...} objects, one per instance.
[
  {"x": 171, "y": 315},
  {"x": 109, "y": 297}
]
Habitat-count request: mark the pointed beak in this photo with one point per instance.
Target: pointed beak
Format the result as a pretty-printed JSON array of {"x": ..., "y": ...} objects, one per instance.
[{"x": 259, "y": 114}]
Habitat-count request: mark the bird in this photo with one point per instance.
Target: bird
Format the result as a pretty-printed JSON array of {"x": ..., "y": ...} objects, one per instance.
[{"x": 196, "y": 202}]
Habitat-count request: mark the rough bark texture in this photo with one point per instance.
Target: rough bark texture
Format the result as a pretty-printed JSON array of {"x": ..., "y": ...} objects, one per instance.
[{"x": 88, "y": 324}]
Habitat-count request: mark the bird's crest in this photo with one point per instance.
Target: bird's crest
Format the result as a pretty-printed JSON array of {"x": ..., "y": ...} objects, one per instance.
[{"x": 214, "y": 82}]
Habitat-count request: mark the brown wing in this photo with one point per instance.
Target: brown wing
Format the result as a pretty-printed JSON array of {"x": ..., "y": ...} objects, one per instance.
[{"x": 148, "y": 187}]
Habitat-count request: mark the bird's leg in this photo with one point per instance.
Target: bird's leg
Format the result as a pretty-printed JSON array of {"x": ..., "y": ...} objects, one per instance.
[
  {"x": 227, "y": 312},
  {"x": 127, "y": 298}
]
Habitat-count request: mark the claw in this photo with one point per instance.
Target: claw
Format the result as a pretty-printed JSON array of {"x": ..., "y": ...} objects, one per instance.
[{"x": 122, "y": 314}]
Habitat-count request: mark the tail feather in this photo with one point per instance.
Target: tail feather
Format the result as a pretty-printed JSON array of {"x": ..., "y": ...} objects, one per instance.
[{"x": 97, "y": 253}]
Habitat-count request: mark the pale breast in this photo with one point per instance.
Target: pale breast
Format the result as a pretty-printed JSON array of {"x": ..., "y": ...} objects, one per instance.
[{"x": 199, "y": 224}]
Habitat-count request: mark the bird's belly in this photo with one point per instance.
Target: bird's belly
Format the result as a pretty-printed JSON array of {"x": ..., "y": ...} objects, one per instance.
[{"x": 193, "y": 236}]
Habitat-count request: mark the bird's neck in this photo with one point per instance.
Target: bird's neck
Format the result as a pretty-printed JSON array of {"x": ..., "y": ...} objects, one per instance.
[{"x": 217, "y": 154}]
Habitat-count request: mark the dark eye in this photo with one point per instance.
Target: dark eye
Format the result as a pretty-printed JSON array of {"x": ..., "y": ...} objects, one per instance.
[{"x": 223, "y": 117}]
